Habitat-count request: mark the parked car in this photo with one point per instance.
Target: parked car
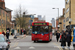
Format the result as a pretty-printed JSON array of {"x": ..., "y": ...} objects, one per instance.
[{"x": 4, "y": 45}]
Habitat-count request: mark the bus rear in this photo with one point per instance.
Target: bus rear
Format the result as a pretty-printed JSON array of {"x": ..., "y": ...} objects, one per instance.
[{"x": 40, "y": 31}]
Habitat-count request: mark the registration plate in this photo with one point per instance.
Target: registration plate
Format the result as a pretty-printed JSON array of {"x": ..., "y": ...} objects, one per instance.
[{"x": 39, "y": 40}]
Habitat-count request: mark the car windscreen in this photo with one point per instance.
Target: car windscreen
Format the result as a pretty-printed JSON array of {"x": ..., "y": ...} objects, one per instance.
[
  {"x": 2, "y": 39},
  {"x": 40, "y": 29}
]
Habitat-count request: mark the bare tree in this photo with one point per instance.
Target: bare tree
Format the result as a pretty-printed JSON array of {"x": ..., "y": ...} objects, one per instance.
[{"x": 20, "y": 17}]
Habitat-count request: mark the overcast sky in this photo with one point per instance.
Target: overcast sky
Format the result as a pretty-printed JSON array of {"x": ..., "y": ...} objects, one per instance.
[{"x": 38, "y": 7}]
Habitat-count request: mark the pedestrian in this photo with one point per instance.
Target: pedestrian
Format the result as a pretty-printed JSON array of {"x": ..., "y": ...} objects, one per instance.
[
  {"x": 68, "y": 40},
  {"x": 7, "y": 34},
  {"x": 8, "y": 29},
  {"x": 64, "y": 33},
  {"x": 3, "y": 33},
  {"x": 12, "y": 31},
  {"x": 63, "y": 41},
  {"x": 21, "y": 31},
  {"x": 57, "y": 35},
  {"x": 18, "y": 31},
  {"x": 24, "y": 31},
  {"x": 70, "y": 31}
]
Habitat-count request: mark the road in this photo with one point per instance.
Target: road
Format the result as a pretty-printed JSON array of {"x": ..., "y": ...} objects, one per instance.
[{"x": 25, "y": 43}]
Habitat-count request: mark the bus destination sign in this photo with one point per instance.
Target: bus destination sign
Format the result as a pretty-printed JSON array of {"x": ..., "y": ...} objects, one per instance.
[{"x": 40, "y": 23}]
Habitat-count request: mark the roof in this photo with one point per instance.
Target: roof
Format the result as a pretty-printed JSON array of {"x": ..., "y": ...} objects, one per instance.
[{"x": 7, "y": 9}]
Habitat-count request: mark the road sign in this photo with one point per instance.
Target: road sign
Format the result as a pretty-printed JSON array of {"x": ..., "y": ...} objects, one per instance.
[
  {"x": 32, "y": 16},
  {"x": 30, "y": 22}
]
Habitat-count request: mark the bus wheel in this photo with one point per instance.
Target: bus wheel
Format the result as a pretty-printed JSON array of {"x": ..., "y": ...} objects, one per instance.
[{"x": 34, "y": 41}]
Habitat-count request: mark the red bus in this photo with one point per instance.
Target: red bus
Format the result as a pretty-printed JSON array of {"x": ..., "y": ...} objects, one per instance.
[{"x": 41, "y": 31}]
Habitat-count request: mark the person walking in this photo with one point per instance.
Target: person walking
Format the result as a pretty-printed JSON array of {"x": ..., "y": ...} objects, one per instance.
[
  {"x": 57, "y": 35},
  {"x": 24, "y": 31},
  {"x": 68, "y": 40},
  {"x": 64, "y": 33},
  {"x": 67, "y": 30},
  {"x": 70, "y": 31},
  {"x": 63, "y": 41},
  {"x": 12, "y": 31},
  {"x": 7, "y": 34},
  {"x": 3, "y": 33},
  {"x": 8, "y": 29},
  {"x": 21, "y": 31}
]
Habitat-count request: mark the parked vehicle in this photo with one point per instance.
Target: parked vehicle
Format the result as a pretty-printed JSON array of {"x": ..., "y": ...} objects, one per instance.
[{"x": 4, "y": 44}]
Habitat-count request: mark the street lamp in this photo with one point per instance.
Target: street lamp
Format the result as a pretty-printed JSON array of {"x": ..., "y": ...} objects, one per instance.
[{"x": 58, "y": 15}]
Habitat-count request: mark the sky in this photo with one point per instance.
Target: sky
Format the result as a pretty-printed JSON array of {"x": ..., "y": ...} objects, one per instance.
[{"x": 38, "y": 7}]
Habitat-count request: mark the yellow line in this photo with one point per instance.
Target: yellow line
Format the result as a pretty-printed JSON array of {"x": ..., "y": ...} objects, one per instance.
[
  {"x": 16, "y": 43},
  {"x": 58, "y": 47}
]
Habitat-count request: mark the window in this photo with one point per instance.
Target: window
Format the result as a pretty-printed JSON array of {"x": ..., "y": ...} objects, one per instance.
[
  {"x": 3, "y": 13},
  {"x": 0, "y": 11},
  {"x": 0, "y": 22},
  {"x": 64, "y": 26},
  {"x": 3, "y": 22},
  {"x": 8, "y": 15},
  {"x": 40, "y": 29},
  {"x": 67, "y": 10},
  {"x": 67, "y": 19},
  {"x": 64, "y": 20},
  {"x": 2, "y": 39},
  {"x": 67, "y": 1},
  {"x": 2, "y": 0}
]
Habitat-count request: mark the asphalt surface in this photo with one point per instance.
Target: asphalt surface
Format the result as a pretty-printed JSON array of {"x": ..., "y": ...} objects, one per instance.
[{"x": 25, "y": 43}]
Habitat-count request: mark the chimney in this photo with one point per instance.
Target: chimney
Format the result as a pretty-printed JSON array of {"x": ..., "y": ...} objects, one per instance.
[{"x": 2, "y": 4}]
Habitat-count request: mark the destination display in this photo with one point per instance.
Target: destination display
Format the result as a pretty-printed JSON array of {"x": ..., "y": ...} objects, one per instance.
[{"x": 40, "y": 23}]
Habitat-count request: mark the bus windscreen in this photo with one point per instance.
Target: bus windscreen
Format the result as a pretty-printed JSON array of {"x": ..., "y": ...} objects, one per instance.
[{"x": 40, "y": 29}]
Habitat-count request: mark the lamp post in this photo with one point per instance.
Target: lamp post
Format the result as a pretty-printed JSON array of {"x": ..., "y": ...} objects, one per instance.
[
  {"x": 58, "y": 16},
  {"x": 23, "y": 17},
  {"x": 70, "y": 22}
]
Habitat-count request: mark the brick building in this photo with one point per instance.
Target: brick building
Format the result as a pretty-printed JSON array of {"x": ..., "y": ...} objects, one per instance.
[
  {"x": 61, "y": 23},
  {"x": 5, "y": 16},
  {"x": 70, "y": 13}
]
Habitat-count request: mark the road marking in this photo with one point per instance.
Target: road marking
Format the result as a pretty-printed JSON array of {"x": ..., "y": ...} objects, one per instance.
[
  {"x": 31, "y": 47},
  {"x": 16, "y": 43},
  {"x": 17, "y": 48},
  {"x": 24, "y": 37},
  {"x": 58, "y": 46}
]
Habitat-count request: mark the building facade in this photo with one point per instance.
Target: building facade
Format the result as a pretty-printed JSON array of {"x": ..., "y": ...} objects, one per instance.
[
  {"x": 61, "y": 22},
  {"x": 5, "y": 16},
  {"x": 70, "y": 13},
  {"x": 53, "y": 22},
  {"x": 37, "y": 20}
]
